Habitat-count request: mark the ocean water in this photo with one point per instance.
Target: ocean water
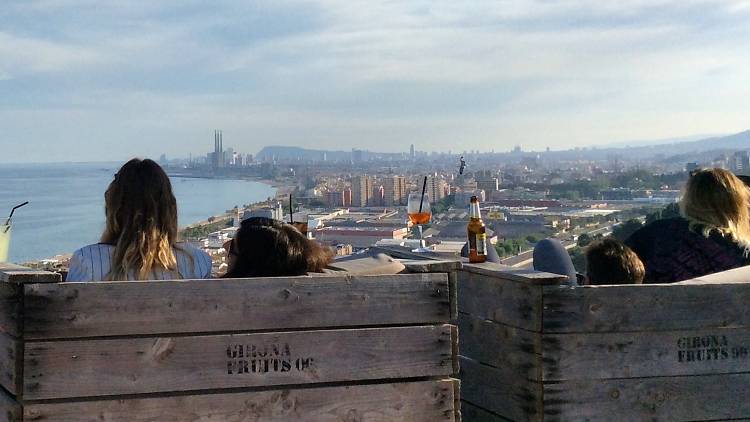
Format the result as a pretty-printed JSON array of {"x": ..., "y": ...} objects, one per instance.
[{"x": 66, "y": 204}]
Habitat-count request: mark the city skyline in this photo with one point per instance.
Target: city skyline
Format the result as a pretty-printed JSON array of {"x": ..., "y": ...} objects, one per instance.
[{"x": 83, "y": 81}]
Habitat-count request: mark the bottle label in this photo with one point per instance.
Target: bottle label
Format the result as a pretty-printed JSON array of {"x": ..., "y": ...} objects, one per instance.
[{"x": 481, "y": 244}]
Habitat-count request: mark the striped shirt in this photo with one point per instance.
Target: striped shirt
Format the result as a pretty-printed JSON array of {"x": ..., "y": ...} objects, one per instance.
[{"x": 94, "y": 262}]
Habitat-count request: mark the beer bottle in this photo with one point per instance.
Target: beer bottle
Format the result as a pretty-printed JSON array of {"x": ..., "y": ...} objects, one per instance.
[{"x": 477, "y": 233}]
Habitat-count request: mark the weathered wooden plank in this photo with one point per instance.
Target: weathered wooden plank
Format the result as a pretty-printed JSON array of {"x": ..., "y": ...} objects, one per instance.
[
  {"x": 11, "y": 273},
  {"x": 431, "y": 266},
  {"x": 414, "y": 401},
  {"x": 488, "y": 388},
  {"x": 512, "y": 303},
  {"x": 471, "y": 413},
  {"x": 10, "y": 308},
  {"x": 507, "y": 272},
  {"x": 647, "y": 307},
  {"x": 434, "y": 266},
  {"x": 645, "y": 354},
  {"x": 81, "y": 368},
  {"x": 69, "y": 310},
  {"x": 10, "y": 410},
  {"x": 704, "y": 397},
  {"x": 10, "y": 363},
  {"x": 512, "y": 351}
]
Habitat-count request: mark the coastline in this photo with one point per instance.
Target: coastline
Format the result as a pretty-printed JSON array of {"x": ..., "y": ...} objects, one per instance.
[{"x": 277, "y": 187}]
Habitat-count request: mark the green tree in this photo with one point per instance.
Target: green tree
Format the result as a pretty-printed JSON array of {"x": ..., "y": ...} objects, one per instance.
[
  {"x": 578, "y": 258},
  {"x": 624, "y": 230},
  {"x": 584, "y": 240}
]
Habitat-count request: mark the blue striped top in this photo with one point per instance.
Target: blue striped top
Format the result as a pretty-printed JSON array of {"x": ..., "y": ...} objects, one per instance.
[{"x": 94, "y": 262}]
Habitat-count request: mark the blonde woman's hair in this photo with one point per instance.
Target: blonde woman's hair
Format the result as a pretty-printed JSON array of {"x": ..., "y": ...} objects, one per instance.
[
  {"x": 141, "y": 222},
  {"x": 716, "y": 200}
]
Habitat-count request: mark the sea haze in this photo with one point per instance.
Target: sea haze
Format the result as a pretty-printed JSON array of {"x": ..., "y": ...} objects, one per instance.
[{"x": 66, "y": 204}]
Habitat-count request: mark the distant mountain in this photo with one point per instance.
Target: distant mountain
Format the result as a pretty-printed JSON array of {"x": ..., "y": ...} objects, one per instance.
[
  {"x": 284, "y": 153},
  {"x": 680, "y": 150}
]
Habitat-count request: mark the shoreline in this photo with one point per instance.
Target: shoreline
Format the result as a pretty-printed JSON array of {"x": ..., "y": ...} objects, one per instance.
[{"x": 278, "y": 186}]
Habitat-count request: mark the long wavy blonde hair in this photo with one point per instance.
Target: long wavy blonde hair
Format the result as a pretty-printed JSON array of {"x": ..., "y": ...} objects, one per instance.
[
  {"x": 141, "y": 213},
  {"x": 716, "y": 200}
]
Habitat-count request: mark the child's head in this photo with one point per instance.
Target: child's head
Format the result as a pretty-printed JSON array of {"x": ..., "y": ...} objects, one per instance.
[{"x": 609, "y": 261}]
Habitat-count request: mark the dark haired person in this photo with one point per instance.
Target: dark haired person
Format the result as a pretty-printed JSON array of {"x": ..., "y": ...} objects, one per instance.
[
  {"x": 140, "y": 237},
  {"x": 263, "y": 247},
  {"x": 609, "y": 261},
  {"x": 711, "y": 235}
]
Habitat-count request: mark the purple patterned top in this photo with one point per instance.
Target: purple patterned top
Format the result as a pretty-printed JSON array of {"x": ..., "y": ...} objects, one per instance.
[{"x": 671, "y": 252}]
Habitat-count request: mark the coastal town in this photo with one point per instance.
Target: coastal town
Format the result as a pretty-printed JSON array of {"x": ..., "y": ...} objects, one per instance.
[{"x": 354, "y": 200}]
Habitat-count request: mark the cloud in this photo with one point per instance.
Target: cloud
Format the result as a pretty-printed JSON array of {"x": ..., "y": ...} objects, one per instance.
[{"x": 371, "y": 73}]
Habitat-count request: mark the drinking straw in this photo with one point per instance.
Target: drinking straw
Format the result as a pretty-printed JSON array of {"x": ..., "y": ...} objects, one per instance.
[
  {"x": 7, "y": 222},
  {"x": 291, "y": 210},
  {"x": 424, "y": 188}
]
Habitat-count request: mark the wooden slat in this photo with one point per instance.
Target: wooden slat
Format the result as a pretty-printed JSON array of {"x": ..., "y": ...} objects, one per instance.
[
  {"x": 513, "y": 303},
  {"x": 11, "y": 273},
  {"x": 645, "y": 354},
  {"x": 70, "y": 310},
  {"x": 646, "y": 307},
  {"x": 10, "y": 363},
  {"x": 80, "y": 368},
  {"x": 514, "y": 352},
  {"x": 10, "y": 410},
  {"x": 432, "y": 266},
  {"x": 705, "y": 397},
  {"x": 471, "y": 413},
  {"x": 10, "y": 308},
  {"x": 507, "y": 272},
  {"x": 425, "y": 401},
  {"x": 488, "y": 388}
]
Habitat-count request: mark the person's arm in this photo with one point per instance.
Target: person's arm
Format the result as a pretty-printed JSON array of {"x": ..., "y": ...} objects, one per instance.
[{"x": 79, "y": 268}]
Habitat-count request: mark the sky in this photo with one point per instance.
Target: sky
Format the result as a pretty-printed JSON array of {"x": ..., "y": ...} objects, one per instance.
[{"x": 86, "y": 80}]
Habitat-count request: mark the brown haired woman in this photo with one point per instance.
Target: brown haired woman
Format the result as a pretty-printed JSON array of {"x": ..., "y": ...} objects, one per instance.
[
  {"x": 140, "y": 238},
  {"x": 712, "y": 234},
  {"x": 263, "y": 247}
]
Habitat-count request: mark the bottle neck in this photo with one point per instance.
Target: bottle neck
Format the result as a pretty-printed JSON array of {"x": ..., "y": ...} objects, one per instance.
[{"x": 474, "y": 210}]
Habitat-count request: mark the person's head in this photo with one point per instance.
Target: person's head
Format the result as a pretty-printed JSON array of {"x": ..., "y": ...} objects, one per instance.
[
  {"x": 263, "y": 247},
  {"x": 717, "y": 200},
  {"x": 141, "y": 220},
  {"x": 609, "y": 261}
]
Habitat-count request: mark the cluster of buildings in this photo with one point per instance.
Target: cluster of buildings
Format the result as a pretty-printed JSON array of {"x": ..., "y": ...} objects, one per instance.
[{"x": 221, "y": 158}]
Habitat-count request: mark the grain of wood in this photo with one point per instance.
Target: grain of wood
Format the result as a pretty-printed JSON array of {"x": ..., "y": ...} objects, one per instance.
[
  {"x": 701, "y": 397},
  {"x": 645, "y": 354},
  {"x": 486, "y": 387},
  {"x": 513, "y": 352},
  {"x": 10, "y": 308},
  {"x": 506, "y": 272},
  {"x": 69, "y": 310},
  {"x": 11, "y": 273},
  {"x": 645, "y": 307},
  {"x": 513, "y": 303},
  {"x": 471, "y": 413},
  {"x": 425, "y": 401},
  {"x": 10, "y": 363},
  {"x": 81, "y": 368}
]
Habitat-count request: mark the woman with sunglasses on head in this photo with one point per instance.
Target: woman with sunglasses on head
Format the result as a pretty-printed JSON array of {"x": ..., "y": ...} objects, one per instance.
[
  {"x": 140, "y": 238},
  {"x": 711, "y": 235},
  {"x": 263, "y": 247}
]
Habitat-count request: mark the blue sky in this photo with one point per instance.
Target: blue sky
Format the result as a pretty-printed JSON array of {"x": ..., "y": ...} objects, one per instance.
[{"x": 89, "y": 80}]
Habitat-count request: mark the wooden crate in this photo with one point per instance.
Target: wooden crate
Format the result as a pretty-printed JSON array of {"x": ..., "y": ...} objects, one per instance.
[
  {"x": 534, "y": 350},
  {"x": 341, "y": 348}
]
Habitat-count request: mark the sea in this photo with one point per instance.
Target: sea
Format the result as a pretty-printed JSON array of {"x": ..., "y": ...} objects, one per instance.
[{"x": 66, "y": 204}]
